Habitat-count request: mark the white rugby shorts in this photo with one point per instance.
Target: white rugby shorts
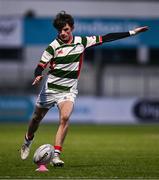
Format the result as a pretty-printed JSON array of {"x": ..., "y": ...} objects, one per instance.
[{"x": 48, "y": 100}]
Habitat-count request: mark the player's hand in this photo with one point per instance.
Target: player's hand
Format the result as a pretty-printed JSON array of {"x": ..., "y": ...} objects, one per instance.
[
  {"x": 140, "y": 29},
  {"x": 37, "y": 80}
]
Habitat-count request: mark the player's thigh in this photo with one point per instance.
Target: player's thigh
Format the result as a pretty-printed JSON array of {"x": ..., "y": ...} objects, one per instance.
[{"x": 65, "y": 109}]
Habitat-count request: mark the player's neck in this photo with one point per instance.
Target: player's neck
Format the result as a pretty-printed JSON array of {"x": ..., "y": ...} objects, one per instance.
[{"x": 67, "y": 41}]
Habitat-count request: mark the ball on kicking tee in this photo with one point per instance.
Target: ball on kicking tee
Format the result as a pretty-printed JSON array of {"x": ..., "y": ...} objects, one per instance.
[{"x": 43, "y": 154}]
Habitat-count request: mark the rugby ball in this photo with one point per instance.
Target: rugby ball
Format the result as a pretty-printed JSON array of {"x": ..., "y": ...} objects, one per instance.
[{"x": 43, "y": 154}]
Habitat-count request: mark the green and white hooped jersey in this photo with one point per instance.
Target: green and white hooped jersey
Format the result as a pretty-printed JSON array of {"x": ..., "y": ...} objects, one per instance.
[{"x": 65, "y": 62}]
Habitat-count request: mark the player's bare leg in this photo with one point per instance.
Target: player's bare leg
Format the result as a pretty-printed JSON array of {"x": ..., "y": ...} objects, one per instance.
[
  {"x": 38, "y": 115},
  {"x": 65, "y": 110}
]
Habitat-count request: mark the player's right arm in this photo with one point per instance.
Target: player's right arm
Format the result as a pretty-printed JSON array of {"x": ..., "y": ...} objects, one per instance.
[{"x": 47, "y": 55}]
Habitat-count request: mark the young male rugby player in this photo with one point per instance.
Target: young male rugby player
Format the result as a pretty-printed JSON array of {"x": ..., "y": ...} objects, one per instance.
[{"x": 64, "y": 56}]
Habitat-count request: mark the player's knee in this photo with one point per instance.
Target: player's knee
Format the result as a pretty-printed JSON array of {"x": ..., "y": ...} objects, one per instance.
[{"x": 64, "y": 119}]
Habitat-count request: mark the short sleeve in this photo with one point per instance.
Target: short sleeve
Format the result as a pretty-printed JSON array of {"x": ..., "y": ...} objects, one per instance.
[
  {"x": 89, "y": 41},
  {"x": 47, "y": 55}
]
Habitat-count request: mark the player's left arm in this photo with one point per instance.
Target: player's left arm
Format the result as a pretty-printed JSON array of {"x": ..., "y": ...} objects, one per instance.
[
  {"x": 45, "y": 59},
  {"x": 120, "y": 35}
]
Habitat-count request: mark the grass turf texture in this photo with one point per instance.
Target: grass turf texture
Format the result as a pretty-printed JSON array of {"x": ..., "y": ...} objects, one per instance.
[{"x": 90, "y": 151}]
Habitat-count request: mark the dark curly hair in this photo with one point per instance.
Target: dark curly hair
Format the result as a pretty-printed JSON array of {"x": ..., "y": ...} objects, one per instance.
[{"x": 62, "y": 19}]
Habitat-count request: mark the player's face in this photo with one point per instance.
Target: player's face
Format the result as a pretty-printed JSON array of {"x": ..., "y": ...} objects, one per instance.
[{"x": 65, "y": 33}]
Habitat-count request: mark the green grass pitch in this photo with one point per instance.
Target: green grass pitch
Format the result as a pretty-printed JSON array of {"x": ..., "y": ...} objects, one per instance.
[{"x": 90, "y": 151}]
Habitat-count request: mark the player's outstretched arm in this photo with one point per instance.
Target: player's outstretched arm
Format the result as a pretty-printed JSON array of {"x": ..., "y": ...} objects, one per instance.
[{"x": 120, "y": 35}]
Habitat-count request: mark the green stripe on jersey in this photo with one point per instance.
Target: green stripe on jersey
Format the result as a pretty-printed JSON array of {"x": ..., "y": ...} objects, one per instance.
[
  {"x": 66, "y": 45},
  {"x": 84, "y": 41},
  {"x": 67, "y": 59},
  {"x": 58, "y": 87},
  {"x": 64, "y": 74},
  {"x": 97, "y": 39},
  {"x": 50, "y": 50}
]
